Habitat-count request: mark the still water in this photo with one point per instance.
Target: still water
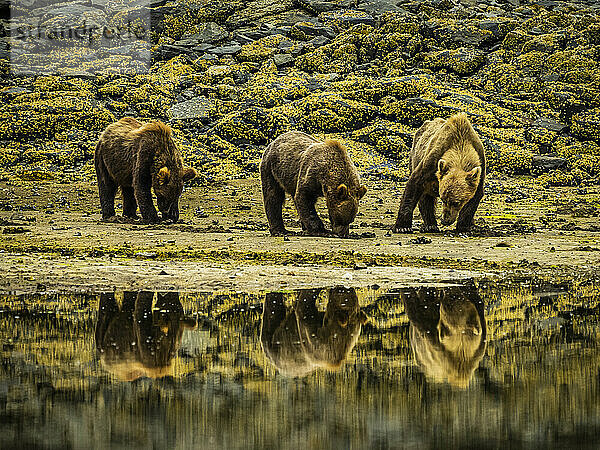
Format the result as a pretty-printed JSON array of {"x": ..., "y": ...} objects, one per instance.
[{"x": 479, "y": 365}]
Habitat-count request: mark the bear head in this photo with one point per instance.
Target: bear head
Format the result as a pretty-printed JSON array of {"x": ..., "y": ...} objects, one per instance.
[
  {"x": 456, "y": 187},
  {"x": 342, "y": 204},
  {"x": 168, "y": 186}
]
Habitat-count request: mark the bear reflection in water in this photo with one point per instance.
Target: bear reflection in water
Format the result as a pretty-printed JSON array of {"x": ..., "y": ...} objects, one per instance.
[
  {"x": 299, "y": 339},
  {"x": 447, "y": 332},
  {"x": 139, "y": 340}
]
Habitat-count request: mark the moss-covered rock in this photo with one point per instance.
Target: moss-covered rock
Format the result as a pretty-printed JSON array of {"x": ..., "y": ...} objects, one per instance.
[
  {"x": 388, "y": 138},
  {"x": 372, "y": 90},
  {"x": 42, "y": 115},
  {"x": 328, "y": 112},
  {"x": 268, "y": 88},
  {"x": 340, "y": 56},
  {"x": 462, "y": 61},
  {"x": 586, "y": 124},
  {"x": 252, "y": 125},
  {"x": 261, "y": 49}
]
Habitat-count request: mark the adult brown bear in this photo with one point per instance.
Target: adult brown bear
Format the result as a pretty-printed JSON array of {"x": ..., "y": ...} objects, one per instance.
[
  {"x": 300, "y": 165},
  {"x": 140, "y": 158},
  {"x": 447, "y": 160}
]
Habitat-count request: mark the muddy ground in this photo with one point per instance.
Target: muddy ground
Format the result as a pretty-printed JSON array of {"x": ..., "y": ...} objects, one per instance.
[{"x": 53, "y": 239}]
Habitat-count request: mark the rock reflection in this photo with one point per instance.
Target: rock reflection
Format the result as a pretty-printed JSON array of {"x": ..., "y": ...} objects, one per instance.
[
  {"x": 447, "y": 331},
  {"x": 299, "y": 339},
  {"x": 138, "y": 339}
]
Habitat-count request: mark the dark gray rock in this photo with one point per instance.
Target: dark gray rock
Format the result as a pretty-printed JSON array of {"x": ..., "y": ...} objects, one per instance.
[
  {"x": 313, "y": 30},
  {"x": 492, "y": 25},
  {"x": 203, "y": 47},
  {"x": 319, "y": 41},
  {"x": 168, "y": 51},
  {"x": 208, "y": 33},
  {"x": 226, "y": 50},
  {"x": 378, "y": 7},
  {"x": 550, "y": 124},
  {"x": 546, "y": 163}
]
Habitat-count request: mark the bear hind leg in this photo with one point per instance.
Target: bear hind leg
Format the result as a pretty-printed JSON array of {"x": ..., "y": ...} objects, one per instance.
[
  {"x": 273, "y": 199},
  {"x": 427, "y": 210},
  {"x": 107, "y": 189}
]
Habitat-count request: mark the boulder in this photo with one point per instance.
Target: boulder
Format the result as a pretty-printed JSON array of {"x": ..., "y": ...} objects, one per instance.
[{"x": 195, "y": 108}]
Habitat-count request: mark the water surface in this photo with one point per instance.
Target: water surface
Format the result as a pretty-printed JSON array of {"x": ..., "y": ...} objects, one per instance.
[{"x": 486, "y": 365}]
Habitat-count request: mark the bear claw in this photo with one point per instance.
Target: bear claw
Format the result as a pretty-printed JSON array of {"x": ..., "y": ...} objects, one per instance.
[{"x": 402, "y": 230}]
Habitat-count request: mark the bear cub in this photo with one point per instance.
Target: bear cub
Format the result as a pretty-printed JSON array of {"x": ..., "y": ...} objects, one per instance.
[
  {"x": 447, "y": 160},
  {"x": 140, "y": 158},
  {"x": 306, "y": 168}
]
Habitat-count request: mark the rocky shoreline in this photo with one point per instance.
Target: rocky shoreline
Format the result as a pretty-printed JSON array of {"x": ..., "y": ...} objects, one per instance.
[{"x": 230, "y": 76}]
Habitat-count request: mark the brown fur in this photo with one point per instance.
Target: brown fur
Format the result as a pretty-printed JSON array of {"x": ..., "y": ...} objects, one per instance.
[
  {"x": 447, "y": 161},
  {"x": 137, "y": 340},
  {"x": 305, "y": 168},
  {"x": 301, "y": 339},
  {"x": 447, "y": 332},
  {"x": 138, "y": 158}
]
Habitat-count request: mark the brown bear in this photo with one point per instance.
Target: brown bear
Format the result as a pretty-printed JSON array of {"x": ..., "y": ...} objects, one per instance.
[
  {"x": 447, "y": 160},
  {"x": 139, "y": 158},
  {"x": 447, "y": 331},
  {"x": 300, "y": 339},
  {"x": 307, "y": 169},
  {"x": 137, "y": 340}
]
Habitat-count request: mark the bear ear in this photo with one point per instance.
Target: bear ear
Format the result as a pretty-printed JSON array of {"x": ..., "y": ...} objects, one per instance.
[
  {"x": 362, "y": 190},
  {"x": 473, "y": 176},
  {"x": 342, "y": 191},
  {"x": 189, "y": 174},
  {"x": 442, "y": 167},
  {"x": 163, "y": 175}
]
